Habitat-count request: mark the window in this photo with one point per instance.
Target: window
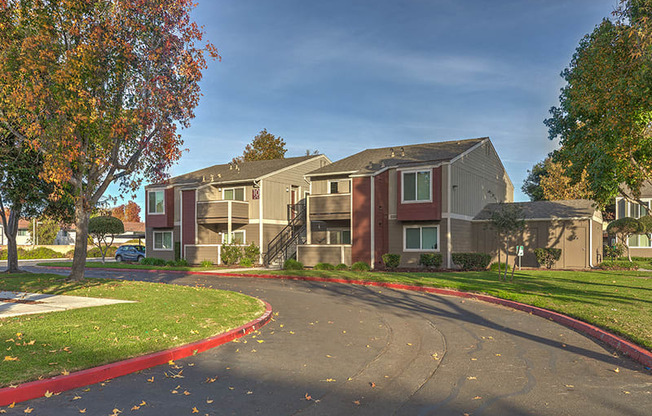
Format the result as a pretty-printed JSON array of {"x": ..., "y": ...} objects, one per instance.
[
  {"x": 156, "y": 202},
  {"x": 22, "y": 233},
  {"x": 234, "y": 194},
  {"x": 339, "y": 236},
  {"x": 416, "y": 186},
  {"x": 631, "y": 209},
  {"x": 162, "y": 240},
  {"x": 333, "y": 187},
  {"x": 421, "y": 238},
  {"x": 237, "y": 237}
]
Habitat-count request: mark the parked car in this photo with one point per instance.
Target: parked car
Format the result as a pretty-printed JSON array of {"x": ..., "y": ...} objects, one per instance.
[{"x": 130, "y": 253}]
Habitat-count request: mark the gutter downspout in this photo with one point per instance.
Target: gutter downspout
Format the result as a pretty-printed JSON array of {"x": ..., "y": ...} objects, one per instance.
[
  {"x": 591, "y": 242},
  {"x": 373, "y": 222},
  {"x": 449, "y": 260}
]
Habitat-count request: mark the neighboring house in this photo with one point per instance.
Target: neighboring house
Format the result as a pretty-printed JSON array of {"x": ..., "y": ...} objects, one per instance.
[
  {"x": 573, "y": 226},
  {"x": 23, "y": 237},
  {"x": 405, "y": 200},
  {"x": 640, "y": 245},
  {"x": 191, "y": 216}
]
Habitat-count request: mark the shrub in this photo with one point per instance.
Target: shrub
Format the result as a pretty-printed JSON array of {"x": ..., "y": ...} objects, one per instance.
[
  {"x": 430, "y": 260},
  {"x": 324, "y": 266},
  {"x": 70, "y": 254},
  {"x": 246, "y": 262},
  {"x": 252, "y": 253},
  {"x": 495, "y": 266},
  {"x": 618, "y": 265},
  {"x": 231, "y": 253},
  {"x": 170, "y": 263},
  {"x": 391, "y": 261},
  {"x": 291, "y": 264},
  {"x": 95, "y": 252},
  {"x": 472, "y": 261},
  {"x": 180, "y": 263},
  {"x": 360, "y": 266},
  {"x": 40, "y": 253},
  {"x": 547, "y": 256},
  {"x": 613, "y": 252},
  {"x": 341, "y": 266},
  {"x": 206, "y": 263},
  {"x": 152, "y": 261}
]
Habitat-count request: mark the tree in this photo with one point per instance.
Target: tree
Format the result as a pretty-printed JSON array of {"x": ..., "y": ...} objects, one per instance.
[
  {"x": 265, "y": 146},
  {"x": 625, "y": 228},
  {"x": 46, "y": 231},
  {"x": 103, "y": 229},
  {"x": 99, "y": 88},
  {"x": 129, "y": 212},
  {"x": 506, "y": 220},
  {"x": 547, "y": 181},
  {"x": 604, "y": 119},
  {"x": 23, "y": 192}
]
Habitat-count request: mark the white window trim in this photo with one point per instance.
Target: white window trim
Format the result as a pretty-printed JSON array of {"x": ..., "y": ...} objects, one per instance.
[
  {"x": 148, "y": 206},
  {"x": 228, "y": 236},
  {"x": 420, "y": 250},
  {"x": 330, "y": 185},
  {"x": 416, "y": 201},
  {"x": 244, "y": 193},
  {"x": 163, "y": 249}
]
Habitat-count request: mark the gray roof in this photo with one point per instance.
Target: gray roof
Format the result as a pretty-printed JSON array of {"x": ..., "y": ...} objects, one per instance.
[
  {"x": 372, "y": 160},
  {"x": 243, "y": 171},
  {"x": 574, "y": 208}
]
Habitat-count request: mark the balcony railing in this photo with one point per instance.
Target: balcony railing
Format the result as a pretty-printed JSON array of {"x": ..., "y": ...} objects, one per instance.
[
  {"x": 219, "y": 212},
  {"x": 329, "y": 207}
]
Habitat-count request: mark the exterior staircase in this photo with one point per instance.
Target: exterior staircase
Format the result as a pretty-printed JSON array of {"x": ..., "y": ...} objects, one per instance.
[{"x": 284, "y": 245}]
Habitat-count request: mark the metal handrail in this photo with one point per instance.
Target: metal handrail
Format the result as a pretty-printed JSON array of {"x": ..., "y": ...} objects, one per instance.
[{"x": 288, "y": 235}]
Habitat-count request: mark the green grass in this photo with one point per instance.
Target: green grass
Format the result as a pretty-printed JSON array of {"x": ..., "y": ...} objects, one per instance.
[
  {"x": 136, "y": 266},
  {"x": 619, "y": 301},
  {"x": 163, "y": 317}
]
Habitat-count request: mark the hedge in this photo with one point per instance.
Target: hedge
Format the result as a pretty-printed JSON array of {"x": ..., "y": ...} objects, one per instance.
[{"x": 472, "y": 261}]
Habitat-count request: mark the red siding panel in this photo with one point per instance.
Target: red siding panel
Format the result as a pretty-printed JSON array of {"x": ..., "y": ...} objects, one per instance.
[
  {"x": 420, "y": 211},
  {"x": 188, "y": 220},
  {"x": 381, "y": 216},
  {"x": 161, "y": 220},
  {"x": 361, "y": 220}
]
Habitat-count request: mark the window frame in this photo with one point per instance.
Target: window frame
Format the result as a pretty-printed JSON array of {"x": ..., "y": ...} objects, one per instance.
[
  {"x": 163, "y": 232},
  {"x": 229, "y": 237},
  {"x": 244, "y": 193},
  {"x": 420, "y": 227},
  {"x": 416, "y": 189},
  {"x": 161, "y": 191}
]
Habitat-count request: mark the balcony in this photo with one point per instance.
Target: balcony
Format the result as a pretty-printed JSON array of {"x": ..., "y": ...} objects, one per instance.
[
  {"x": 222, "y": 212},
  {"x": 329, "y": 207}
]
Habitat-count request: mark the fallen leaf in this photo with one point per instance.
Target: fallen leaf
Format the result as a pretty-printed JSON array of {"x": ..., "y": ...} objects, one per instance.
[
  {"x": 48, "y": 393},
  {"x": 143, "y": 403},
  {"x": 617, "y": 370},
  {"x": 626, "y": 392},
  {"x": 65, "y": 372},
  {"x": 260, "y": 341},
  {"x": 210, "y": 380},
  {"x": 308, "y": 397},
  {"x": 570, "y": 386},
  {"x": 471, "y": 378},
  {"x": 409, "y": 344},
  {"x": 76, "y": 398},
  {"x": 82, "y": 410},
  {"x": 151, "y": 380},
  {"x": 372, "y": 384},
  {"x": 356, "y": 402},
  {"x": 186, "y": 393},
  {"x": 477, "y": 398},
  {"x": 435, "y": 356},
  {"x": 10, "y": 358},
  {"x": 135, "y": 408},
  {"x": 11, "y": 406},
  {"x": 194, "y": 410},
  {"x": 28, "y": 410},
  {"x": 330, "y": 380},
  {"x": 498, "y": 355},
  {"x": 209, "y": 401}
]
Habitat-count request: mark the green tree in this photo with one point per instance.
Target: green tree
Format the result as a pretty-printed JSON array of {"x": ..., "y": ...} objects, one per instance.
[
  {"x": 624, "y": 228},
  {"x": 103, "y": 229},
  {"x": 99, "y": 88},
  {"x": 604, "y": 118},
  {"x": 506, "y": 219},
  {"x": 532, "y": 183},
  {"x": 265, "y": 146},
  {"x": 46, "y": 231},
  {"x": 23, "y": 192}
]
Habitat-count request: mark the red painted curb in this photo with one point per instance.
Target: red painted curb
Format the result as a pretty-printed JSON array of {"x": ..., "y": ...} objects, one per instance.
[
  {"x": 628, "y": 348},
  {"x": 35, "y": 389}
]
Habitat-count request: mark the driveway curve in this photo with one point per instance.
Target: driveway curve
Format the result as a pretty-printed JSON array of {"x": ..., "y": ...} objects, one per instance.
[{"x": 337, "y": 349}]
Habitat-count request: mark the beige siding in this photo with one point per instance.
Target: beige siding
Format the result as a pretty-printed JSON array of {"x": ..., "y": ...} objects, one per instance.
[
  {"x": 571, "y": 236},
  {"x": 478, "y": 178},
  {"x": 411, "y": 258},
  {"x": 197, "y": 254},
  {"x": 461, "y": 236},
  {"x": 275, "y": 200},
  {"x": 321, "y": 184},
  {"x": 310, "y": 255},
  {"x": 215, "y": 193}
]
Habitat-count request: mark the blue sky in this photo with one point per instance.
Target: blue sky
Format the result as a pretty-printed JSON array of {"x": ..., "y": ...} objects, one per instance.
[{"x": 341, "y": 76}]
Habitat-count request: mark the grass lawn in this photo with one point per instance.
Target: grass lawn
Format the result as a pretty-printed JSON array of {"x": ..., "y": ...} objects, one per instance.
[
  {"x": 164, "y": 316},
  {"x": 615, "y": 300},
  {"x": 123, "y": 265}
]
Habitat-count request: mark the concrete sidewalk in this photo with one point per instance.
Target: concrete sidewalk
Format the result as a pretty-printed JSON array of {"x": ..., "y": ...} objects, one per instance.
[{"x": 22, "y": 303}]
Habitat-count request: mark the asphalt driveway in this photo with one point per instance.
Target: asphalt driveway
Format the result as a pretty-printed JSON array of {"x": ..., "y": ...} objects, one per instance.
[{"x": 335, "y": 349}]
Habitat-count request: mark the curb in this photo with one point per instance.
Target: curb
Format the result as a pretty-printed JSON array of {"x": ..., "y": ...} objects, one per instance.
[
  {"x": 35, "y": 389},
  {"x": 633, "y": 351}
]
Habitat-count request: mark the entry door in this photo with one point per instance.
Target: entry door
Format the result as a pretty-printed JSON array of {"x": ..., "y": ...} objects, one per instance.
[{"x": 575, "y": 247}]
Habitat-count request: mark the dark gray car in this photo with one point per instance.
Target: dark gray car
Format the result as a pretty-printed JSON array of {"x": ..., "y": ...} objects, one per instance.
[{"x": 130, "y": 253}]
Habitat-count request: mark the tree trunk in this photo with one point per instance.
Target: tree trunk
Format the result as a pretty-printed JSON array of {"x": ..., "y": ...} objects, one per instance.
[
  {"x": 506, "y": 262},
  {"x": 629, "y": 256},
  {"x": 499, "y": 271},
  {"x": 81, "y": 241},
  {"x": 11, "y": 230}
]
